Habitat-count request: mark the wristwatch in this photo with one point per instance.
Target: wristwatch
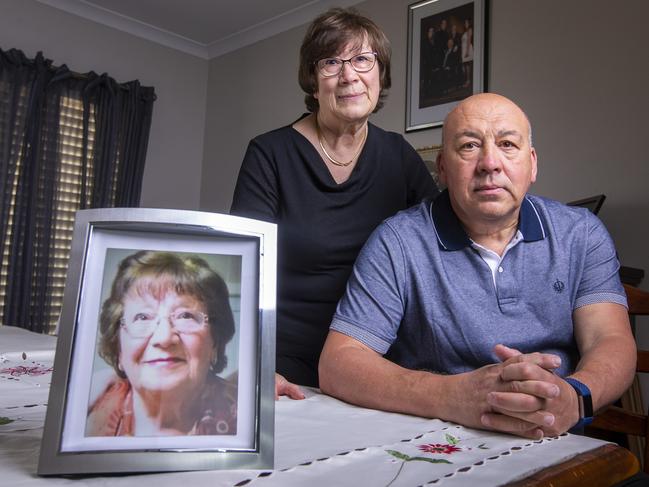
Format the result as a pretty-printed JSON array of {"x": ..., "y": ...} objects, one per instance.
[{"x": 585, "y": 403}]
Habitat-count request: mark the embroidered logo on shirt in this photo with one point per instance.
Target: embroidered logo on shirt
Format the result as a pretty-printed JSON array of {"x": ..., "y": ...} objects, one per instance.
[{"x": 558, "y": 286}]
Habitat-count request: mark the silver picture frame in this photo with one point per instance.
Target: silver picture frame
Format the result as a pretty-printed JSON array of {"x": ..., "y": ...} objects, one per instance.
[{"x": 103, "y": 236}]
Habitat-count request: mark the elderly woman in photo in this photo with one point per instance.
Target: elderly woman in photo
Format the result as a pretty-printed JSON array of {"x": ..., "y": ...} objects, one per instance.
[
  {"x": 164, "y": 329},
  {"x": 328, "y": 179}
]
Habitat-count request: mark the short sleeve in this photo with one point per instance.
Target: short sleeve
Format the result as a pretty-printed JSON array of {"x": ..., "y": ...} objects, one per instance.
[
  {"x": 373, "y": 305},
  {"x": 600, "y": 280},
  {"x": 256, "y": 194}
]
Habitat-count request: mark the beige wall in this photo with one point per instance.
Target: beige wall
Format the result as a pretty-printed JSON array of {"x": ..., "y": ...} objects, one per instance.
[
  {"x": 173, "y": 165},
  {"x": 250, "y": 91}
]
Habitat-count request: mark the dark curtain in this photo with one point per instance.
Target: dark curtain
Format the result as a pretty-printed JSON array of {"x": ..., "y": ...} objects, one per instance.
[{"x": 31, "y": 166}]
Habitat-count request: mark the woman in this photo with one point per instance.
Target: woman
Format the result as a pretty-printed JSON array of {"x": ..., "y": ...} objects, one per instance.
[
  {"x": 328, "y": 180},
  {"x": 467, "y": 53},
  {"x": 164, "y": 329}
]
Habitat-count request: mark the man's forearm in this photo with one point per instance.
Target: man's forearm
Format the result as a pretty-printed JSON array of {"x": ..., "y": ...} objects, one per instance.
[
  {"x": 360, "y": 376},
  {"x": 608, "y": 352},
  {"x": 352, "y": 372},
  {"x": 608, "y": 369}
]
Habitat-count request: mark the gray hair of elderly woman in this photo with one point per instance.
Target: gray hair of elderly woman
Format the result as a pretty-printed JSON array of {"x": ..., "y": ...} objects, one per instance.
[
  {"x": 157, "y": 273},
  {"x": 327, "y": 35}
]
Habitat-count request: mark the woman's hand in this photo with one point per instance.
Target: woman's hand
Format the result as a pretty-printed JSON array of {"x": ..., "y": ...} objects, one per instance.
[{"x": 285, "y": 388}]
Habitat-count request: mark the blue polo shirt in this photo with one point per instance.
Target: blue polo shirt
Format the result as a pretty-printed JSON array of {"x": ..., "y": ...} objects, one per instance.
[{"x": 422, "y": 295}]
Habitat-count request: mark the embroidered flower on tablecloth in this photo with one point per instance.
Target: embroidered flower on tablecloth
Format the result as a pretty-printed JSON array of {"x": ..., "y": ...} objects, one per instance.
[
  {"x": 22, "y": 370},
  {"x": 451, "y": 446},
  {"x": 439, "y": 448},
  {"x": 434, "y": 448}
]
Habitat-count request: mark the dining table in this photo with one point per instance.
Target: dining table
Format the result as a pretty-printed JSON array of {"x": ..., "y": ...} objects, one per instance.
[{"x": 318, "y": 441}]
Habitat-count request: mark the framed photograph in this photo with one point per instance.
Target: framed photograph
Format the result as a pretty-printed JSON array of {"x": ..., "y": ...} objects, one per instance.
[
  {"x": 446, "y": 58},
  {"x": 429, "y": 155},
  {"x": 166, "y": 351}
]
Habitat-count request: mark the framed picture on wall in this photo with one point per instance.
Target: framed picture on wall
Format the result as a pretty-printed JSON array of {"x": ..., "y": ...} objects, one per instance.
[
  {"x": 429, "y": 155},
  {"x": 166, "y": 346},
  {"x": 446, "y": 58}
]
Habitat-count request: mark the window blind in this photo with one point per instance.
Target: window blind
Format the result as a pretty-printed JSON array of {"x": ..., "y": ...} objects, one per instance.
[{"x": 68, "y": 183}]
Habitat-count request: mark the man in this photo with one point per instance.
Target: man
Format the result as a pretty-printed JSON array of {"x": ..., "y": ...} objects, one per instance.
[
  {"x": 451, "y": 65},
  {"x": 440, "y": 40},
  {"x": 427, "y": 60},
  {"x": 473, "y": 307}
]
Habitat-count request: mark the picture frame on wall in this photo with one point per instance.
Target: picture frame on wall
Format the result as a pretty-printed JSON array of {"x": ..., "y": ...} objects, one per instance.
[
  {"x": 429, "y": 155},
  {"x": 446, "y": 58},
  {"x": 164, "y": 310}
]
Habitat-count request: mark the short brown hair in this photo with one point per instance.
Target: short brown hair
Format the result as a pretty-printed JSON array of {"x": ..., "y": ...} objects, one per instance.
[
  {"x": 157, "y": 273},
  {"x": 327, "y": 35}
]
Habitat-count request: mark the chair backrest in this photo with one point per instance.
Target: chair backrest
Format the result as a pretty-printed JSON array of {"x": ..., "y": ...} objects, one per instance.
[
  {"x": 593, "y": 203},
  {"x": 631, "y": 419},
  {"x": 638, "y": 306},
  {"x": 638, "y": 300}
]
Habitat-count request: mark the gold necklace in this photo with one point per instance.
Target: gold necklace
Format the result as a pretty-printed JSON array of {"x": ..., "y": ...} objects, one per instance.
[{"x": 334, "y": 161}]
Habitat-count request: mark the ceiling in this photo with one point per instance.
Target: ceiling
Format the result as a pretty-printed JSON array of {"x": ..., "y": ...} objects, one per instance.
[{"x": 204, "y": 28}]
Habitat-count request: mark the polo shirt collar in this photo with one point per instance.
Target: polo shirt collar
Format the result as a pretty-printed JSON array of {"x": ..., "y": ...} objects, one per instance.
[{"x": 451, "y": 234}]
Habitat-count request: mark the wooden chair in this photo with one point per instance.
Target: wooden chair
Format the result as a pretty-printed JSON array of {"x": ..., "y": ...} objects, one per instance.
[{"x": 621, "y": 419}]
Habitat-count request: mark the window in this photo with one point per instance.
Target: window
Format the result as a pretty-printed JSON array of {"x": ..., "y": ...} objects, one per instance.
[
  {"x": 67, "y": 141},
  {"x": 68, "y": 182}
]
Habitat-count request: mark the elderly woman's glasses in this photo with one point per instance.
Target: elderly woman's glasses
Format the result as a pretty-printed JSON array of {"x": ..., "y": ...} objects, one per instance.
[
  {"x": 142, "y": 325},
  {"x": 332, "y": 66}
]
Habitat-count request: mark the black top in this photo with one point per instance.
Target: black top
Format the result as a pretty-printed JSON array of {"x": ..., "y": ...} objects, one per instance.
[{"x": 322, "y": 226}]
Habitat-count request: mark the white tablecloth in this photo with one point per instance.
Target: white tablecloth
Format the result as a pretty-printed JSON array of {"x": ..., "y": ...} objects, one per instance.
[{"x": 319, "y": 441}]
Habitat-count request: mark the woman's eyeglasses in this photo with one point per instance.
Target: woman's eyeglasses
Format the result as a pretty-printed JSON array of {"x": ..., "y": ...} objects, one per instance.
[
  {"x": 142, "y": 325},
  {"x": 332, "y": 66}
]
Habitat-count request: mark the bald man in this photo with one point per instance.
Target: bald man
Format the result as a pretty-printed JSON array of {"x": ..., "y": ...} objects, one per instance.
[{"x": 488, "y": 307}]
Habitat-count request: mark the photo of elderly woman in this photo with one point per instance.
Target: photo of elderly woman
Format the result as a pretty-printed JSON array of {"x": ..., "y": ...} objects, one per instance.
[{"x": 163, "y": 331}]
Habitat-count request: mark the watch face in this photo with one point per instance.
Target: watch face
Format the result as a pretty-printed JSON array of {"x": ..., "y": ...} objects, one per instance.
[{"x": 588, "y": 406}]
